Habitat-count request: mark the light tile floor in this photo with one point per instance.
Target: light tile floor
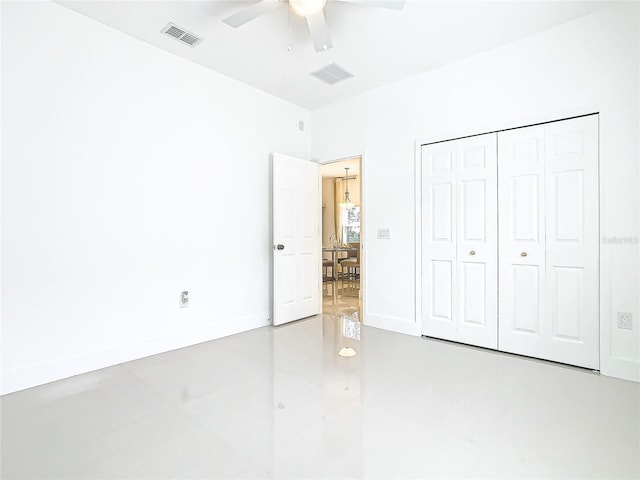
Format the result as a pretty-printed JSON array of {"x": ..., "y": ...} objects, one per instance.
[{"x": 281, "y": 403}]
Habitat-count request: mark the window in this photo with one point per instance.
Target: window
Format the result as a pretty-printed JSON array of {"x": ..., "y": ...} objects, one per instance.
[{"x": 351, "y": 225}]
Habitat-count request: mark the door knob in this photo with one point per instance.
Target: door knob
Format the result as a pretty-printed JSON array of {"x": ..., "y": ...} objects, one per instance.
[
  {"x": 472, "y": 252},
  {"x": 280, "y": 246},
  {"x": 523, "y": 254}
]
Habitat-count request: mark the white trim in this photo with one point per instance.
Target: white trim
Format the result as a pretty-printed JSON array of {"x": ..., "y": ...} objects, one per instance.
[
  {"x": 363, "y": 212},
  {"x": 626, "y": 369},
  {"x": 363, "y": 236},
  {"x": 320, "y": 256},
  {"x": 40, "y": 373},
  {"x": 418, "y": 234},
  {"x": 519, "y": 122},
  {"x": 393, "y": 324}
]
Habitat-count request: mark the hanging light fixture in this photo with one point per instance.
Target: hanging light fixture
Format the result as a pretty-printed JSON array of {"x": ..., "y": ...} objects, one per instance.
[{"x": 347, "y": 203}]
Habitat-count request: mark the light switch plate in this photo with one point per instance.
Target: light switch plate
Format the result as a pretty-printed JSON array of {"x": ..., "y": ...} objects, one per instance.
[{"x": 384, "y": 233}]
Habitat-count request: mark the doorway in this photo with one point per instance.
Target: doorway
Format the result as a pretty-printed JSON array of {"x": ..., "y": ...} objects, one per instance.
[{"x": 342, "y": 235}]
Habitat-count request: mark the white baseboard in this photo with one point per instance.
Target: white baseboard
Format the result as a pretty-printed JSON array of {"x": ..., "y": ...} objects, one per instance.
[
  {"x": 41, "y": 373},
  {"x": 625, "y": 369},
  {"x": 393, "y": 324},
  {"x": 620, "y": 368}
]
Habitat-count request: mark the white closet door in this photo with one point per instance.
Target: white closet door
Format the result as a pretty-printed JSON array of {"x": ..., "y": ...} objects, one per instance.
[
  {"x": 548, "y": 197},
  {"x": 521, "y": 240},
  {"x": 460, "y": 240},
  {"x": 439, "y": 240},
  {"x": 477, "y": 261},
  {"x": 572, "y": 241}
]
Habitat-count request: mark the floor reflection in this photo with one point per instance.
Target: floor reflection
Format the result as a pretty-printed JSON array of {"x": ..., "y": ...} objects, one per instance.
[
  {"x": 284, "y": 403},
  {"x": 341, "y": 297}
]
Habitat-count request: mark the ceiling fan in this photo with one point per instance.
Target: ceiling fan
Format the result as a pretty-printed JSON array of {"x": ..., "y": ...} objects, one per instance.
[{"x": 311, "y": 10}]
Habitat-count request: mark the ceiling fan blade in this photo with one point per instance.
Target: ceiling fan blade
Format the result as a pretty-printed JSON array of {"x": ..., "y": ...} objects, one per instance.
[
  {"x": 319, "y": 32},
  {"x": 391, "y": 4},
  {"x": 254, "y": 11}
]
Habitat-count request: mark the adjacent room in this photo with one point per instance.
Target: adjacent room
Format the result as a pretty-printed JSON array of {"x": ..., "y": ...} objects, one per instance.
[
  {"x": 320, "y": 239},
  {"x": 341, "y": 226}
]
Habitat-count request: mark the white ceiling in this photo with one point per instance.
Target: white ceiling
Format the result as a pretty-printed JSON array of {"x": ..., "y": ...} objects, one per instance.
[{"x": 377, "y": 45}]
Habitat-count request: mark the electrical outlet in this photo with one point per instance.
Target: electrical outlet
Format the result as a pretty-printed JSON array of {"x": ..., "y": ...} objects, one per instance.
[
  {"x": 624, "y": 320},
  {"x": 184, "y": 299}
]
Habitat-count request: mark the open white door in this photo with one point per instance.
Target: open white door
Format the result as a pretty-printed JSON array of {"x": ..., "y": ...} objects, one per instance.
[{"x": 296, "y": 239}]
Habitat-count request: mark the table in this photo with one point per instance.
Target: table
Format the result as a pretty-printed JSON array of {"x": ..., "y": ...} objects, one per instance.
[{"x": 334, "y": 251}]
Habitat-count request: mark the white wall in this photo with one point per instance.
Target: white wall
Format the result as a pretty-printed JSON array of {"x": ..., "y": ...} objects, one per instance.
[
  {"x": 591, "y": 64},
  {"x": 128, "y": 175},
  {"x": 120, "y": 183}
]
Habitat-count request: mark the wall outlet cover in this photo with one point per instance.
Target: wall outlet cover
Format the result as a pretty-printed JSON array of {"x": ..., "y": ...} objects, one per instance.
[
  {"x": 184, "y": 299},
  {"x": 624, "y": 320}
]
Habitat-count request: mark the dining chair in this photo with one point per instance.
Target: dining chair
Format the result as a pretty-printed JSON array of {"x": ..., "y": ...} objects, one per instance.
[
  {"x": 353, "y": 255},
  {"x": 350, "y": 268}
]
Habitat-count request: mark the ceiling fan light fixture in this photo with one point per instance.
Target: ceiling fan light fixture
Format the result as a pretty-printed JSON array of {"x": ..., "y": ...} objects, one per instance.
[{"x": 307, "y": 8}]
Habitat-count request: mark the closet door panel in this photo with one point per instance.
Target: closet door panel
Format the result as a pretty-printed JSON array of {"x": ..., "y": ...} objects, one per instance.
[
  {"x": 521, "y": 199},
  {"x": 526, "y": 298},
  {"x": 572, "y": 245},
  {"x": 439, "y": 240},
  {"x": 476, "y": 218},
  {"x": 473, "y": 289},
  {"x": 441, "y": 212},
  {"x": 549, "y": 240}
]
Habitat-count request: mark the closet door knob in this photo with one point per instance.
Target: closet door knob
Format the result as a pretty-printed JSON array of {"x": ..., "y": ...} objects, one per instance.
[
  {"x": 523, "y": 254},
  {"x": 472, "y": 252}
]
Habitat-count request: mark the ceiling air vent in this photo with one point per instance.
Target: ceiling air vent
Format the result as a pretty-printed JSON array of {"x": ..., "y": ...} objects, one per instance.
[
  {"x": 332, "y": 74},
  {"x": 181, "y": 34}
]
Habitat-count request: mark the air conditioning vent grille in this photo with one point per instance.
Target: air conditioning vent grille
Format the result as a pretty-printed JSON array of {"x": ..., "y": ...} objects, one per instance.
[
  {"x": 190, "y": 39},
  {"x": 174, "y": 32},
  {"x": 332, "y": 74},
  {"x": 180, "y": 34}
]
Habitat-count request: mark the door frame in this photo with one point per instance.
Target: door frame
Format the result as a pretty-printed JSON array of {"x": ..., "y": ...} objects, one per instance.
[
  {"x": 498, "y": 127},
  {"x": 363, "y": 201}
]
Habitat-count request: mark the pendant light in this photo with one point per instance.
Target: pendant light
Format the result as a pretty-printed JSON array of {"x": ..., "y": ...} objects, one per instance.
[{"x": 347, "y": 203}]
